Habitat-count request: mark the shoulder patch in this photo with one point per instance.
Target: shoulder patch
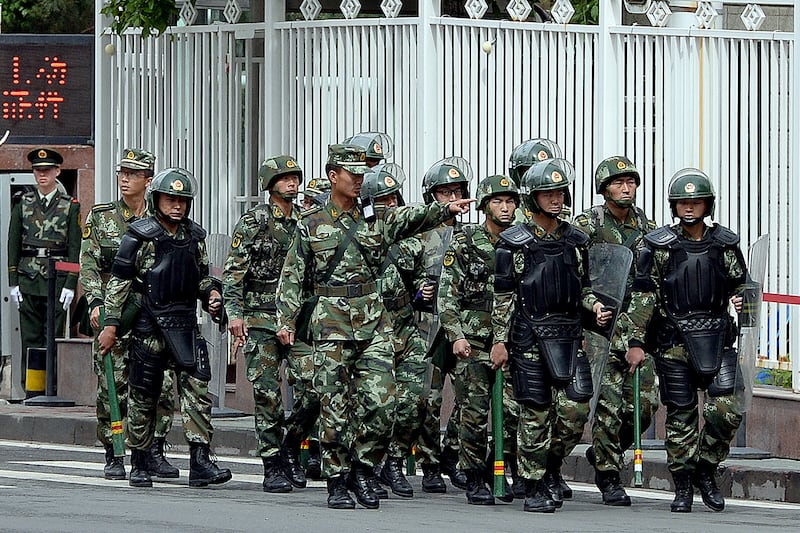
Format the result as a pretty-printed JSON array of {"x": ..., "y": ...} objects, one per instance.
[
  {"x": 725, "y": 236},
  {"x": 87, "y": 231},
  {"x": 236, "y": 241},
  {"x": 449, "y": 258},
  {"x": 518, "y": 235},
  {"x": 661, "y": 237}
]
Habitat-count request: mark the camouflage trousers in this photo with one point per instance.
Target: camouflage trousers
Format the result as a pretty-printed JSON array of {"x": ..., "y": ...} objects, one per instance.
[
  {"x": 165, "y": 407},
  {"x": 548, "y": 430},
  {"x": 473, "y": 391},
  {"x": 33, "y": 326},
  {"x": 687, "y": 444},
  {"x": 264, "y": 355},
  {"x": 195, "y": 403},
  {"x": 410, "y": 370},
  {"x": 355, "y": 384},
  {"x": 430, "y": 444},
  {"x": 612, "y": 428}
]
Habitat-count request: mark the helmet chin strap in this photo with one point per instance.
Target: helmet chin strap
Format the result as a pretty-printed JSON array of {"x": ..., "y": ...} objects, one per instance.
[
  {"x": 288, "y": 196},
  {"x": 686, "y": 221}
]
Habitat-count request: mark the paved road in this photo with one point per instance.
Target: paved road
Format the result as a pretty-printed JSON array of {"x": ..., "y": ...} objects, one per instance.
[{"x": 45, "y": 487}]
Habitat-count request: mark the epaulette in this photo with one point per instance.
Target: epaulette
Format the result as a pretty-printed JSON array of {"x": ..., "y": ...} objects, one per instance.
[
  {"x": 310, "y": 211},
  {"x": 518, "y": 235},
  {"x": 146, "y": 228},
  {"x": 575, "y": 235},
  {"x": 725, "y": 236},
  {"x": 661, "y": 237},
  {"x": 99, "y": 208},
  {"x": 583, "y": 219}
]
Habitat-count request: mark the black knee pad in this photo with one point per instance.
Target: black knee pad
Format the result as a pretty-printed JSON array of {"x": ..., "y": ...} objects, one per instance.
[
  {"x": 676, "y": 383},
  {"x": 529, "y": 379},
  {"x": 724, "y": 382},
  {"x": 145, "y": 370},
  {"x": 580, "y": 388}
]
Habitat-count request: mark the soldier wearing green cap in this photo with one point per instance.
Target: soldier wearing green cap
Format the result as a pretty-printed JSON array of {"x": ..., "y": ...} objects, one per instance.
[
  {"x": 340, "y": 247},
  {"x": 617, "y": 221},
  {"x": 260, "y": 242},
  {"x": 466, "y": 290},
  {"x": 541, "y": 285},
  {"x": 316, "y": 192},
  {"x": 102, "y": 234},
  {"x": 45, "y": 223},
  {"x": 162, "y": 266},
  {"x": 686, "y": 274}
]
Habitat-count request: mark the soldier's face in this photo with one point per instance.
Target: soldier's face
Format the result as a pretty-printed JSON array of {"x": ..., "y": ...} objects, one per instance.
[
  {"x": 346, "y": 183},
  {"x": 46, "y": 178},
  {"x": 690, "y": 209},
  {"x": 132, "y": 183},
  {"x": 502, "y": 208},
  {"x": 173, "y": 207},
  {"x": 390, "y": 200},
  {"x": 448, "y": 193},
  {"x": 622, "y": 189},
  {"x": 551, "y": 201},
  {"x": 286, "y": 184}
]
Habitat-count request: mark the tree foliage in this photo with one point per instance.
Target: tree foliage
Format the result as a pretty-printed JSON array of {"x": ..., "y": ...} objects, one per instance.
[
  {"x": 149, "y": 15},
  {"x": 48, "y": 16}
]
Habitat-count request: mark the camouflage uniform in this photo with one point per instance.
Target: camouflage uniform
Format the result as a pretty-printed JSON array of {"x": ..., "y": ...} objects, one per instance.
[
  {"x": 105, "y": 226},
  {"x": 260, "y": 242},
  {"x": 40, "y": 228},
  {"x": 612, "y": 429}
]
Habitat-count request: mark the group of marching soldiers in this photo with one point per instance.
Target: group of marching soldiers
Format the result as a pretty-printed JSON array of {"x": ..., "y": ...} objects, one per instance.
[{"x": 373, "y": 304}]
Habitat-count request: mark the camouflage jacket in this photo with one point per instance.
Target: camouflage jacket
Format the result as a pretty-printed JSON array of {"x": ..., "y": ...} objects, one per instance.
[
  {"x": 466, "y": 287},
  {"x": 260, "y": 242},
  {"x": 33, "y": 228},
  {"x": 398, "y": 275},
  {"x": 504, "y": 302},
  {"x": 349, "y": 305},
  {"x": 646, "y": 297},
  {"x": 102, "y": 233},
  {"x": 118, "y": 290},
  {"x": 603, "y": 227}
]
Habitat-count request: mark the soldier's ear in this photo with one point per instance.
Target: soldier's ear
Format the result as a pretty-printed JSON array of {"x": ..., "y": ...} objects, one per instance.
[{"x": 332, "y": 175}]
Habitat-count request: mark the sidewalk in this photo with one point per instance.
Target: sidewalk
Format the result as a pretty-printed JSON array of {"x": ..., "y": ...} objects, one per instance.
[{"x": 755, "y": 479}]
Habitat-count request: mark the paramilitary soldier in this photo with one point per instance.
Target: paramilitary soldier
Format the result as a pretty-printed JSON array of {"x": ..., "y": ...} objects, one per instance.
[
  {"x": 447, "y": 178},
  {"x": 377, "y": 145},
  {"x": 381, "y": 187},
  {"x": 465, "y": 298},
  {"x": 316, "y": 192},
  {"x": 44, "y": 223},
  {"x": 685, "y": 275},
  {"x": 102, "y": 234},
  {"x": 523, "y": 156},
  {"x": 541, "y": 283},
  {"x": 162, "y": 266},
  {"x": 340, "y": 247},
  {"x": 259, "y": 245},
  {"x": 617, "y": 221}
]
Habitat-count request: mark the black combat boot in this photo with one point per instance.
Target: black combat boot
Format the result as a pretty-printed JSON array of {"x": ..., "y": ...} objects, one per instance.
[
  {"x": 518, "y": 482},
  {"x": 158, "y": 465},
  {"x": 704, "y": 480},
  {"x": 432, "y": 481},
  {"x": 449, "y": 465},
  {"x": 558, "y": 488},
  {"x": 314, "y": 464},
  {"x": 683, "y": 492},
  {"x": 291, "y": 466},
  {"x": 392, "y": 475},
  {"x": 275, "y": 480},
  {"x": 375, "y": 485},
  {"x": 477, "y": 491},
  {"x": 537, "y": 497},
  {"x": 358, "y": 484},
  {"x": 115, "y": 466},
  {"x": 611, "y": 488},
  {"x": 139, "y": 475},
  {"x": 202, "y": 470},
  {"x": 338, "y": 497}
]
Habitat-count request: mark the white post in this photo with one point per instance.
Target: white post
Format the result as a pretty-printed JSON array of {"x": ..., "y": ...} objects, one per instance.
[
  {"x": 428, "y": 88},
  {"x": 104, "y": 155},
  {"x": 794, "y": 194},
  {"x": 610, "y": 132},
  {"x": 273, "y": 108}
]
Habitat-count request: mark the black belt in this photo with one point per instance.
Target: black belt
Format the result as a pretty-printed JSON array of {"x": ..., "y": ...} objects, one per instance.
[
  {"x": 346, "y": 291},
  {"x": 485, "y": 305},
  {"x": 395, "y": 303},
  {"x": 43, "y": 252},
  {"x": 261, "y": 286}
]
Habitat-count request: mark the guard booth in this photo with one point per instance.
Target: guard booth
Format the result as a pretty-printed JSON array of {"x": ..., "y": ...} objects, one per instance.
[{"x": 11, "y": 184}]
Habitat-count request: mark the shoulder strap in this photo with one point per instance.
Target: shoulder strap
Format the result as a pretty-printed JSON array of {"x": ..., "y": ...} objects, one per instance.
[{"x": 348, "y": 236}]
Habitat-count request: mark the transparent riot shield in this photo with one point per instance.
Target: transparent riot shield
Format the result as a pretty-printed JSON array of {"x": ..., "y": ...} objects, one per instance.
[
  {"x": 609, "y": 266},
  {"x": 435, "y": 243},
  {"x": 750, "y": 323}
]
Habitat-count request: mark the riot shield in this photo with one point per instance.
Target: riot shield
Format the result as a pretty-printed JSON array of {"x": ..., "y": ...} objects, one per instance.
[
  {"x": 609, "y": 267},
  {"x": 750, "y": 323},
  {"x": 435, "y": 245}
]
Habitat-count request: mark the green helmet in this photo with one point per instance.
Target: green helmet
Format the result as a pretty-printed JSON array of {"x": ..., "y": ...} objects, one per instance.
[
  {"x": 612, "y": 168},
  {"x": 276, "y": 166},
  {"x": 495, "y": 186},
  {"x": 547, "y": 175},
  {"x": 383, "y": 180},
  {"x": 524, "y": 155},
  {"x": 690, "y": 183},
  {"x": 379, "y": 146},
  {"x": 445, "y": 172},
  {"x": 174, "y": 181}
]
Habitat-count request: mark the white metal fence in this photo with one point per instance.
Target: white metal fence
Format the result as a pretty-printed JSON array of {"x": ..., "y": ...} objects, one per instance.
[{"x": 218, "y": 99}]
